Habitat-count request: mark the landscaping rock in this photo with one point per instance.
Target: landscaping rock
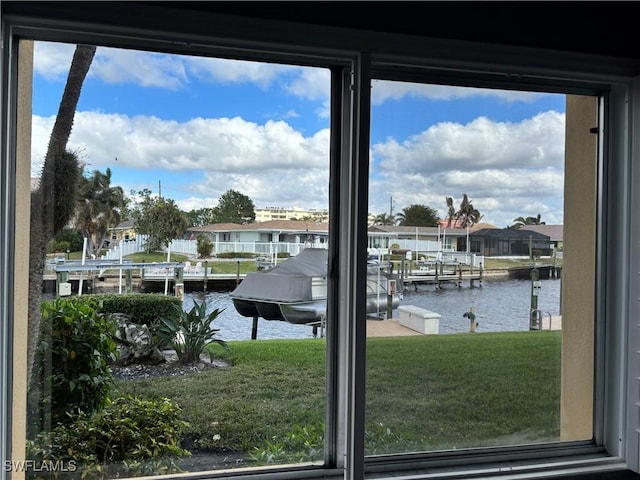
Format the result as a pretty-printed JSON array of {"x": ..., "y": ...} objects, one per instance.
[{"x": 135, "y": 342}]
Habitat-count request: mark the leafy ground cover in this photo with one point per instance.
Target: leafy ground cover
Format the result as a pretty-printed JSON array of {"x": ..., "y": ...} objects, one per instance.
[{"x": 423, "y": 393}]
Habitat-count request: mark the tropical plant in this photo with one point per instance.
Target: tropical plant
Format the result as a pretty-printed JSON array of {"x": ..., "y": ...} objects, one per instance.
[
  {"x": 384, "y": 219},
  {"x": 522, "y": 221},
  {"x": 451, "y": 212},
  {"x": 190, "y": 332},
  {"x": 76, "y": 350},
  {"x": 234, "y": 207},
  {"x": 99, "y": 208},
  {"x": 418, "y": 216},
  {"x": 467, "y": 215}
]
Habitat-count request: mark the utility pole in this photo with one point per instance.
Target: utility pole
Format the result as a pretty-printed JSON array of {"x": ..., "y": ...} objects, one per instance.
[{"x": 159, "y": 189}]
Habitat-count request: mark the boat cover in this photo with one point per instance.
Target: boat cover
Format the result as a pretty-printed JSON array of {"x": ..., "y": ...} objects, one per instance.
[{"x": 287, "y": 282}]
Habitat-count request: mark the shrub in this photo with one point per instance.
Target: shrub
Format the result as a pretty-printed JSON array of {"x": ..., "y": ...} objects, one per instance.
[
  {"x": 204, "y": 245},
  {"x": 235, "y": 255},
  {"x": 74, "y": 354},
  {"x": 132, "y": 435},
  {"x": 142, "y": 309},
  {"x": 55, "y": 247},
  {"x": 190, "y": 332}
]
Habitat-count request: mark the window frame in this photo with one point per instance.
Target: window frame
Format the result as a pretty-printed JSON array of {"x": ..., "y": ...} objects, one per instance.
[{"x": 355, "y": 58}]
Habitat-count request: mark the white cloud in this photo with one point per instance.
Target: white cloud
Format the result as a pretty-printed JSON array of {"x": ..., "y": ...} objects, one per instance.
[
  {"x": 146, "y": 69},
  {"x": 220, "y": 70},
  {"x": 273, "y": 162},
  {"x": 480, "y": 144},
  {"x": 52, "y": 60},
  {"x": 312, "y": 84},
  {"x": 383, "y": 90},
  {"x": 507, "y": 169}
]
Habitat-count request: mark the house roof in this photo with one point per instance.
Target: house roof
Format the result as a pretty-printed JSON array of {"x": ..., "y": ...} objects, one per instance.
[
  {"x": 555, "y": 232},
  {"x": 125, "y": 225},
  {"x": 510, "y": 233},
  {"x": 408, "y": 230},
  {"x": 480, "y": 226},
  {"x": 268, "y": 226}
]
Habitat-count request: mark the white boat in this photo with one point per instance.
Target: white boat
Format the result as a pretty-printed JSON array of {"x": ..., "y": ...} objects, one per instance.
[{"x": 295, "y": 290}]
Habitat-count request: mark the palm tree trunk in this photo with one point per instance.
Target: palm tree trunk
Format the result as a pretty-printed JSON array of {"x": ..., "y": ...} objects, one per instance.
[{"x": 53, "y": 203}]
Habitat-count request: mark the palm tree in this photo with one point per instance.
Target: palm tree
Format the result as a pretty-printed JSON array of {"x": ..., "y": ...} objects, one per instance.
[
  {"x": 468, "y": 215},
  {"x": 451, "y": 212},
  {"x": 53, "y": 203},
  {"x": 522, "y": 221},
  {"x": 99, "y": 209},
  {"x": 384, "y": 219}
]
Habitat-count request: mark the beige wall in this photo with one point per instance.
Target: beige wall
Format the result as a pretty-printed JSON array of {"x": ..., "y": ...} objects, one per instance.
[
  {"x": 578, "y": 276},
  {"x": 21, "y": 262}
]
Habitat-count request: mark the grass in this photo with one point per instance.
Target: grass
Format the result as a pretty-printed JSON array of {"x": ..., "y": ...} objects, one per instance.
[
  {"x": 156, "y": 257},
  {"x": 423, "y": 393}
]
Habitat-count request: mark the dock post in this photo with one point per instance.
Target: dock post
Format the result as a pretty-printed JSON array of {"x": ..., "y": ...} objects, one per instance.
[
  {"x": 473, "y": 324},
  {"x": 459, "y": 275},
  {"x": 180, "y": 283},
  {"x": 128, "y": 281},
  {"x": 254, "y": 329},
  {"x": 205, "y": 281}
]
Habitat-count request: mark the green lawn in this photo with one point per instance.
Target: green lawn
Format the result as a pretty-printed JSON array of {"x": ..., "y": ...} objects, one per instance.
[{"x": 423, "y": 393}]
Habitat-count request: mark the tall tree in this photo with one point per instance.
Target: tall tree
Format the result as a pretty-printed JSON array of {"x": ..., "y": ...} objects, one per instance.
[
  {"x": 418, "y": 216},
  {"x": 160, "y": 219},
  {"x": 99, "y": 208},
  {"x": 522, "y": 221},
  {"x": 467, "y": 215},
  {"x": 53, "y": 202},
  {"x": 384, "y": 219},
  {"x": 234, "y": 207},
  {"x": 199, "y": 216},
  {"x": 451, "y": 212}
]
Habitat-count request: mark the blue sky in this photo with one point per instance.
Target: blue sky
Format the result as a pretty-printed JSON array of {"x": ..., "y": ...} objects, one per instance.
[{"x": 198, "y": 127}]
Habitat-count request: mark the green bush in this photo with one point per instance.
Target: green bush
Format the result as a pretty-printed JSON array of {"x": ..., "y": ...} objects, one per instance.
[
  {"x": 142, "y": 309},
  {"x": 73, "y": 357},
  {"x": 204, "y": 245},
  {"x": 66, "y": 240},
  {"x": 58, "y": 247},
  {"x": 130, "y": 435},
  {"x": 235, "y": 255},
  {"x": 190, "y": 332}
]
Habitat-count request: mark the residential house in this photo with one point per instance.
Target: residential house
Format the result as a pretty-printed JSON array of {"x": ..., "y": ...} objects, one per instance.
[
  {"x": 416, "y": 239},
  {"x": 494, "y": 242},
  {"x": 554, "y": 232},
  {"x": 262, "y": 237}
]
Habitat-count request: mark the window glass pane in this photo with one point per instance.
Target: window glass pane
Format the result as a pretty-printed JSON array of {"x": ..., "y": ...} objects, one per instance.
[
  {"x": 184, "y": 226},
  {"x": 466, "y": 210}
]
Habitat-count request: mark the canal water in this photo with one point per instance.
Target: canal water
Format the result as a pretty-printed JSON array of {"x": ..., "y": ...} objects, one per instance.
[{"x": 499, "y": 305}]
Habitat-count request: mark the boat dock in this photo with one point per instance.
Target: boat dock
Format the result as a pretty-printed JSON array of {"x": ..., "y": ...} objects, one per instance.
[{"x": 440, "y": 273}]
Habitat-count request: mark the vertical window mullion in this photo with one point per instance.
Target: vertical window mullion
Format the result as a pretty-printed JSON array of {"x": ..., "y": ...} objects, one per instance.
[{"x": 348, "y": 268}]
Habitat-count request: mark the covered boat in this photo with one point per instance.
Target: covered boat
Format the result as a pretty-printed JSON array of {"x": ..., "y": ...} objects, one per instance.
[{"x": 296, "y": 290}]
